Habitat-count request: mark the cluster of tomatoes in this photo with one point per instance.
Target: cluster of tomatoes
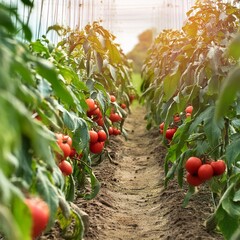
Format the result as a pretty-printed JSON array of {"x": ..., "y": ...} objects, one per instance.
[
  {"x": 176, "y": 120},
  {"x": 65, "y": 143},
  {"x": 97, "y": 141},
  {"x": 115, "y": 118},
  {"x": 199, "y": 172},
  {"x": 94, "y": 112}
]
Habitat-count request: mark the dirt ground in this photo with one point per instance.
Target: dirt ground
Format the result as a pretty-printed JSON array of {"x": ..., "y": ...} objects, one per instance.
[{"x": 133, "y": 203}]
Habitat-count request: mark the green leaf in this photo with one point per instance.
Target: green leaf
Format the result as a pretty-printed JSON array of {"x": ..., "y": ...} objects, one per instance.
[
  {"x": 95, "y": 185},
  {"x": 27, "y": 32},
  {"x": 113, "y": 72},
  {"x": 27, "y": 2},
  {"x": 236, "y": 197},
  {"x": 80, "y": 134},
  {"x": 233, "y": 49},
  {"x": 39, "y": 48},
  {"x": 227, "y": 224},
  {"x": 231, "y": 207},
  {"x": 191, "y": 191},
  {"x": 114, "y": 54},
  {"x": 212, "y": 131},
  {"x": 69, "y": 120},
  {"x": 170, "y": 173},
  {"x": 5, "y": 20},
  {"x": 233, "y": 152},
  {"x": 228, "y": 92},
  {"x": 70, "y": 194},
  {"x": 46, "y": 188},
  {"x": 170, "y": 84},
  {"x": 47, "y": 70}
]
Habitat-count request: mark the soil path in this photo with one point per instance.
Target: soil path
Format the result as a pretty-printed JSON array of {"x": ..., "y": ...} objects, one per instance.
[{"x": 133, "y": 203}]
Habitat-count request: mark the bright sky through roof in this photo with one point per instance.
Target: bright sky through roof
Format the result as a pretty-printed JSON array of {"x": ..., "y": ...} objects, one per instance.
[{"x": 135, "y": 16}]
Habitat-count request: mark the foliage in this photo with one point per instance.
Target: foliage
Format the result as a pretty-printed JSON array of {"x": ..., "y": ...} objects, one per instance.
[{"x": 191, "y": 67}]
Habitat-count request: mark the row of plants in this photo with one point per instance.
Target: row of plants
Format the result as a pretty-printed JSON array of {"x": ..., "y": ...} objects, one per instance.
[
  {"x": 190, "y": 89},
  {"x": 59, "y": 105}
]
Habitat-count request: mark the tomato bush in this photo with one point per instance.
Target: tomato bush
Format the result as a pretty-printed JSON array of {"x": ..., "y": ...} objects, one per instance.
[
  {"x": 193, "y": 73},
  {"x": 51, "y": 96}
]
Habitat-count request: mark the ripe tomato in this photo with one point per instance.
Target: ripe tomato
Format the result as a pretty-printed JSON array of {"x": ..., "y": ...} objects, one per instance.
[
  {"x": 100, "y": 122},
  {"x": 40, "y": 213},
  {"x": 176, "y": 118},
  {"x": 65, "y": 167},
  {"x": 169, "y": 133},
  {"x": 73, "y": 153},
  {"x": 112, "y": 98},
  {"x": 96, "y": 147},
  {"x": 193, "y": 164},
  {"x": 188, "y": 114},
  {"x": 161, "y": 126},
  {"x": 131, "y": 97},
  {"x": 110, "y": 130},
  {"x": 114, "y": 117},
  {"x": 123, "y": 105},
  {"x": 91, "y": 104},
  {"x": 116, "y": 131},
  {"x": 189, "y": 109},
  {"x": 93, "y": 136},
  {"x": 102, "y": 136},
  {"x": 66, "y": 149},
  {"x": 219, "y": 167},
  {"x": 67, "y": 140},
  {"x": 193, "y": 180},
  {"x": 205, "y": 172}
]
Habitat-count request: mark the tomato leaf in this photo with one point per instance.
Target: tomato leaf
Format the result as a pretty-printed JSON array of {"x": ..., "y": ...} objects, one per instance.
[
  {"x": 191, "y": 191},
  {"x": 232, "y": 152},
  {"x": 227, "y": 224},
  {"x": 95, "y": 185},
  {"x": 228, "y": 92}
]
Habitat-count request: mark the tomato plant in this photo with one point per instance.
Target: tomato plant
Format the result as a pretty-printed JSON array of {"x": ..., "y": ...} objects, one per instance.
[
  {"x": 194, "y": 72},
  {"x": 53, "y": 102}
]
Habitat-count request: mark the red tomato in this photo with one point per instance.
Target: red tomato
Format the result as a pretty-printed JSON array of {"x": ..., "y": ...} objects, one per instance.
[
  {"x": 110, "y": 130},
  {"x": 102, "y": 136},
  {"x": 188, "y": 114},
  {"x": 96, "y": 147},
  {"x": 73, "y": 153},
  {"x": 93, "y": 136},
  {"x": 40, "y": 213},
  {"x": 176, "y": 118},
  {"x": 116, "y": 131},
  {"x": 114, "y": 117},
  {"x": 161, "y": 126},
  {"x": 193, "y": 180},
  {"x": 65, "y": 148},
  {"x": 131, "y": 97},
  {"x": 67, "y": 140},
  {"x": 193, "y": 164},
  {"x": 91, "y": 104},
  {"x": 189, "y": 109},
  {"x": 112, "y": 98},
  {"x": 219, "y": 167},
  {"x": 169, "y": 133},
  {"x": 205, "y": 172},
  {"x": 123, "y": 105},
  {"x": 65, "y": 167},
  {"x": 96, "y": 111},
  {"x": 100, "y": 122}
]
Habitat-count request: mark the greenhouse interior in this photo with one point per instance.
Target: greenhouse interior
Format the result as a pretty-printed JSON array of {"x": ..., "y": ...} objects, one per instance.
[{"x": 120, "y": 119}]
